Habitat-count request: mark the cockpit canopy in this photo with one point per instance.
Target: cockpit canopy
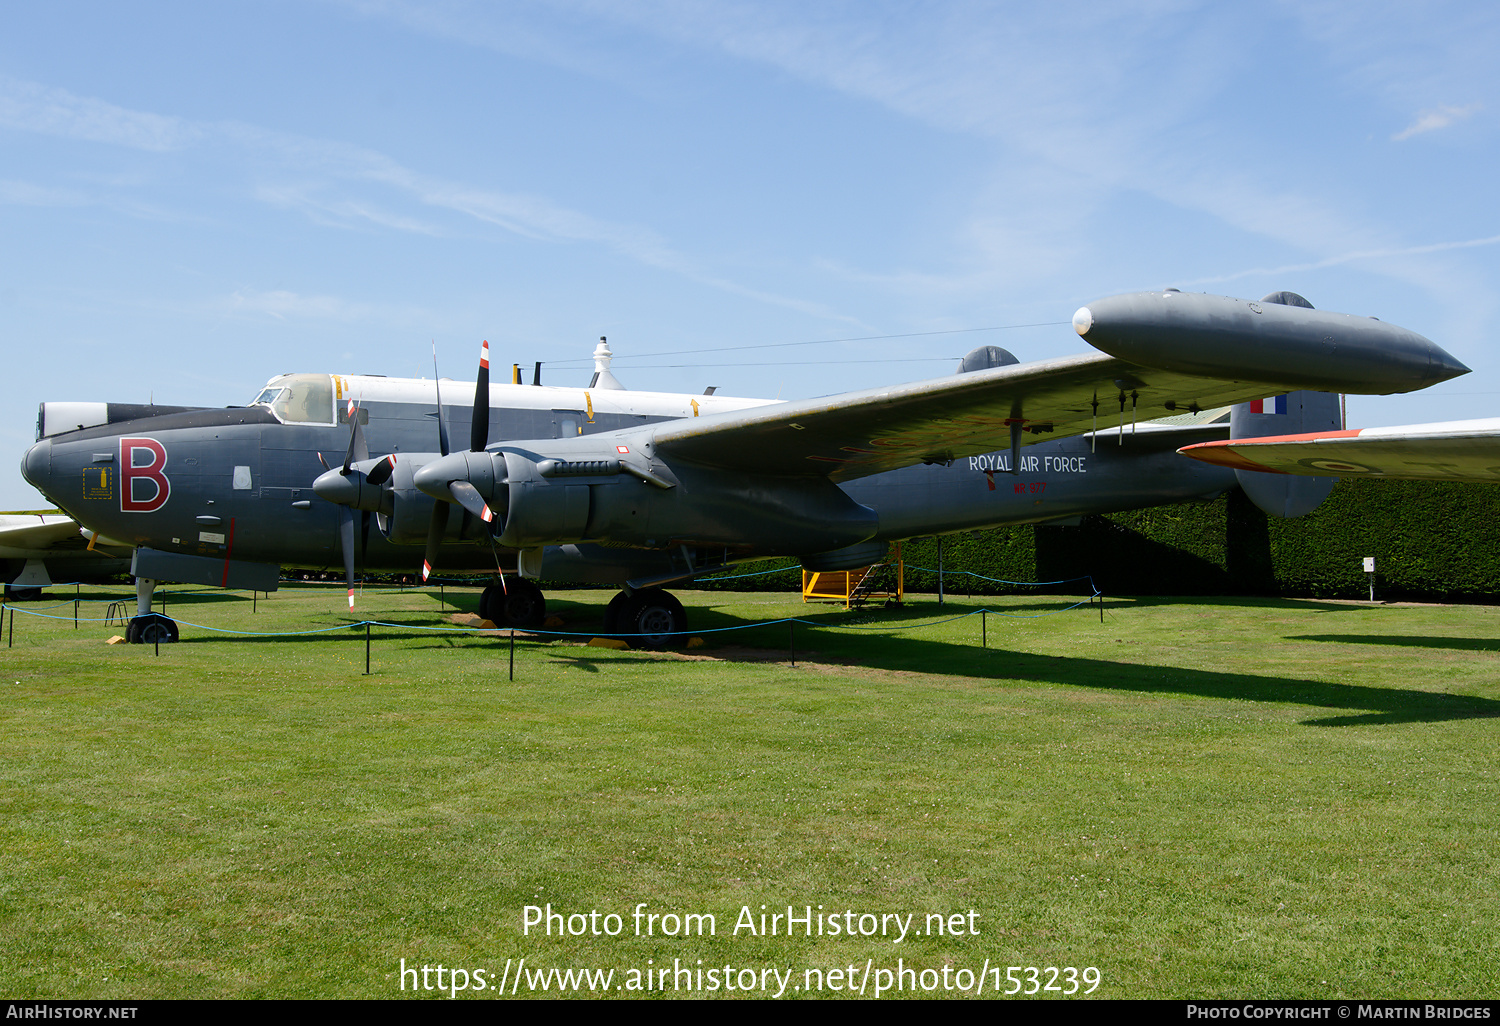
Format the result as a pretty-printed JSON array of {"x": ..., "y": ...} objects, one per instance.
[{"x": 299, "y": 398}]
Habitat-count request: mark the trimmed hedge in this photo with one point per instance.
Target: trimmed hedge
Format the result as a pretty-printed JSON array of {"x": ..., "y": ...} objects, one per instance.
[{"x": 1431, "y": 541}]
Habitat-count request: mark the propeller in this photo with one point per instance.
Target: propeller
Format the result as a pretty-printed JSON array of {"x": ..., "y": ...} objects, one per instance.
[
  {"x": 462, "y": 492},
  {"x": 345, "y": 493}
]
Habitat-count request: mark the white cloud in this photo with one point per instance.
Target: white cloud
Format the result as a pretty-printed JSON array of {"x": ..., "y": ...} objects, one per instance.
[
  {"x": 285, "y": 305},
  {"x": 30, "y": 107},
  {"x": 27, "y": 194},
  {"x": 1432, "y": 120},
  {"x": 1349, "y": 258},
  {"x": 335, "y": 166}
]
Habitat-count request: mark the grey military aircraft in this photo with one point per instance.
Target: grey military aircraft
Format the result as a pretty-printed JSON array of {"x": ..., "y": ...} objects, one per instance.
[{"x": 642, "y": 489}]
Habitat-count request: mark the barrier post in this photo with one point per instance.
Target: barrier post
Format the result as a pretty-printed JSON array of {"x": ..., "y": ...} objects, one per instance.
[
  {"x": 984, "y": 633},
  {"x": 940, "y": 569},
  {"x": 792, "y": 641},
  {"x": 75, "y": 614},
  {"x": 512, "y": 653},
  {"x": 367, "y": 648}
]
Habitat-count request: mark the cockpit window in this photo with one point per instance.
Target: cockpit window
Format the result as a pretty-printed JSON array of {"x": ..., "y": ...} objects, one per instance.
[{"x": 299, "y": 398}]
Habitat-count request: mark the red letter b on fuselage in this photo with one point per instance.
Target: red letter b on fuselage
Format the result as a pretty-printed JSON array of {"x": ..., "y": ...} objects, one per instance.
[{"x": 143, "y": 486}]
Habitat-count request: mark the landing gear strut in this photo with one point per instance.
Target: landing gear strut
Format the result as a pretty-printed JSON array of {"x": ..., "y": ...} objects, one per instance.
[
  {"x": 146, "y": 627},
  {"x": 519, "y": 604}
]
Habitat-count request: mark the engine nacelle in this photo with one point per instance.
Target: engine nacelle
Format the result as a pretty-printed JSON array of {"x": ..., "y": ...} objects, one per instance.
[
  {"x": 547, "y": 501},
  {"x": 558, "y": 492}
]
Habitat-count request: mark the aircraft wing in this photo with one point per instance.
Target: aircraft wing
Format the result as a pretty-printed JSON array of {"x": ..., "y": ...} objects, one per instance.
[
  {"x": 860, "y": 433},
  {"x": 1466, "y": 450},
  {"x": 28, "y": 534},
  {"x": 1163, "y": 353}
]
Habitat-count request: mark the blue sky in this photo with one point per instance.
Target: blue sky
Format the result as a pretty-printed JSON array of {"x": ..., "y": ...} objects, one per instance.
[{"x": 195, "y": 197}]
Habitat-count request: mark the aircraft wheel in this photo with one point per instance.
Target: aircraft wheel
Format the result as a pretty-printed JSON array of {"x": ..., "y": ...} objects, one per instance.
[
  {"x": 21, "y": 593},
  {"x": 151, "y": 629},
  {"x": 520, "y": 604},
  {"x": 653, "y": 619},
  {"x": 612, "y": 613}
]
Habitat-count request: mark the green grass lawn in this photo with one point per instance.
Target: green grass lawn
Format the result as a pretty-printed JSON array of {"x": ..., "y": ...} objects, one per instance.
[{"x": 1207, "y": 798}]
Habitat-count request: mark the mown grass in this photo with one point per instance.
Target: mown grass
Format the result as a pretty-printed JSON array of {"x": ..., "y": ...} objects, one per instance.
[{"x": 1218, "y": 798}]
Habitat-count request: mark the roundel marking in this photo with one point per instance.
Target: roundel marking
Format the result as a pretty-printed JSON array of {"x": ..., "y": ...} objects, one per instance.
[{"x": 1340, "y": 466}]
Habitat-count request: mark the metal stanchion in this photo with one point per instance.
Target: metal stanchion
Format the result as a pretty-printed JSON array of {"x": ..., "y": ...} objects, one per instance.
[
  {"x": 984, "y": 634},
  {"x": 792, "y": 640},
  {"x": 367, "y": 648},
  {"x": 512, "y": 653},
  {"x": 940, "y": 569}
]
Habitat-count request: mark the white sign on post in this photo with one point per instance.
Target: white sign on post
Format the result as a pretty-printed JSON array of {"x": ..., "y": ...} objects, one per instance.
[{"x": 1369, "y": 564}]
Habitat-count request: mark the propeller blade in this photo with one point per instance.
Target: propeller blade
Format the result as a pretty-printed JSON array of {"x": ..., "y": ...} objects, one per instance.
[
  {"x": 381, "y": 472},
  {"x": 323, "y": 461},
  {"x": 479, "y": 426},
  {"x": 442, "y": 421},
  {"x": 358, "y": 450},
  {"x": 468, "y": 497},
  {"x": 364, "y": 544},
  {"x": 435, "y": 531},
  {"x": 346, "y": 542}
]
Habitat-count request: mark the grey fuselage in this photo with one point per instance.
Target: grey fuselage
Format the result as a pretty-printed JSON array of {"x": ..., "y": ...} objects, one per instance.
[{"x": 236, "y": 484}]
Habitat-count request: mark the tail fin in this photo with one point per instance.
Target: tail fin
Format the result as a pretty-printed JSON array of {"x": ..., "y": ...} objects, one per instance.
[{"x": 1283, "y": 495}]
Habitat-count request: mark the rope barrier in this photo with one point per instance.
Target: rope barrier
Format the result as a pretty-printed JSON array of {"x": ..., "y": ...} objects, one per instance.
[{"x": 577, "y": 634}]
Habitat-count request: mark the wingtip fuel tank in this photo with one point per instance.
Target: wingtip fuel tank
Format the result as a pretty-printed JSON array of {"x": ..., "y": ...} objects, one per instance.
[{"x": 1194, "y": 333}]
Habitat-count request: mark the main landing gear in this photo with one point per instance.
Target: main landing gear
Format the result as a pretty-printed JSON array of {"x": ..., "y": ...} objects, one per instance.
[
  {"x": 519, "y": 603},
  {"x": 146, "y": 627},
  {"x": 649, "y": 618}
]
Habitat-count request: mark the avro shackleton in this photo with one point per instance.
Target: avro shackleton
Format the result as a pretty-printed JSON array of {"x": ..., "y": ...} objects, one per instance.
[{"x": 643, "y": 489}]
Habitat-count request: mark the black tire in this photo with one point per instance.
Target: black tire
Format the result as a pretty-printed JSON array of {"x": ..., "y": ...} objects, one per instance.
[
  {"x": 613, "y": 611},
  {"x": 151, "y": 629},
  {"x": 653, "y": 619},
  {"x": 521, "y": 604}
]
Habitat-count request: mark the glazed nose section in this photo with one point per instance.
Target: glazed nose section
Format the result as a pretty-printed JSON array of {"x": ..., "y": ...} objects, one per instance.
[{"x": 36, "y": 465}]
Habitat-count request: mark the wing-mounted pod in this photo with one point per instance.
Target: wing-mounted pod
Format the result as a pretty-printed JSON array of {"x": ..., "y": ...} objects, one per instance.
[{"x": 1274, "y": 340}]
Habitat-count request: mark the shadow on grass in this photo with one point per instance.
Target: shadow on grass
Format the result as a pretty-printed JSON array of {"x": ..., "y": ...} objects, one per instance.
[
  {"x": 891, "y": 650},
  {"x": 1460, "y": 644},
  {"x": 1370, "y": 705}
]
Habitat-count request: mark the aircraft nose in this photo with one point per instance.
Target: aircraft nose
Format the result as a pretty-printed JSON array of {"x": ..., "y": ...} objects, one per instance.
[{"x": 36, "y": 465}]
